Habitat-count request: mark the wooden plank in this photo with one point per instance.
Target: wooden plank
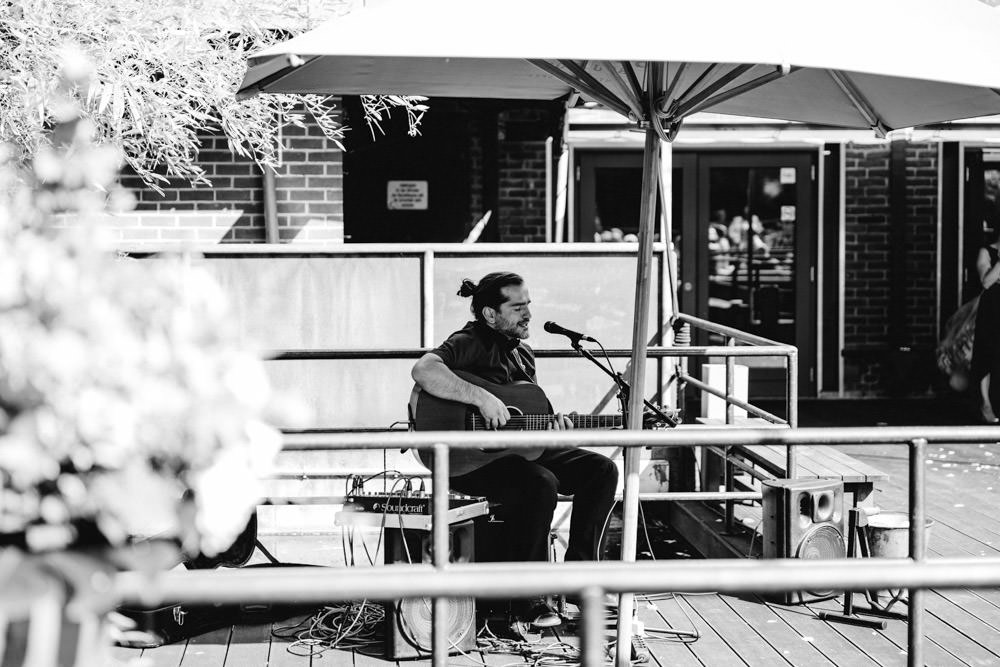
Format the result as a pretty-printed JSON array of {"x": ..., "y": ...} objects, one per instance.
[
  {"x": 813, "y": 458},
  {"x": 871, "y": 642},
  {"x": 774, "y": 457},
  {"x": 208, "y": 650},
  {"x": 279, "y": 654},
  {"x": 813, "y": 461},
  {"x": 710, "y": 648},
  {"x": 850, "y": 470},
  {"x": 735, "y": 631},
  {"x": 763, "y": 455},
  {"x": 249, "y": 646},
  {"x": 968, "y": 512},
  {"x": 863, "y": 467},
  {"x": 168, "y": 655},
  {"x": 784, "y": 639},
  {"x": 666, "y": 648},
  {"x": 942, "y": 640},
  {"x": 702, "y": 531},
  {"x": 984, "y": 632},
  {"x": 837, "y": 648}
]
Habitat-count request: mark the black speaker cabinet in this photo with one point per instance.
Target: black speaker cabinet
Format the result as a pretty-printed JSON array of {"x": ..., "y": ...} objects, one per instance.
[
  {"x": 408, "y": 621},
  {"x": 803, "y": 518}
]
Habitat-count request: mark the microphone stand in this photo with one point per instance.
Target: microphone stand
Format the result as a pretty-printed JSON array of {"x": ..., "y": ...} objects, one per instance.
[{"x": 623, "y": 387}]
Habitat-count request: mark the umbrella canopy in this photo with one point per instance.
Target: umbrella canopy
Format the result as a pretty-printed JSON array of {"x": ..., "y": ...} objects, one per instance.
[{"x": 851, "y": 63}]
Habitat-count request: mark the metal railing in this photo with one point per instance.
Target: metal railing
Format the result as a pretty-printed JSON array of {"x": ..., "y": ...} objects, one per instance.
[{"x": 444, "y": 580}]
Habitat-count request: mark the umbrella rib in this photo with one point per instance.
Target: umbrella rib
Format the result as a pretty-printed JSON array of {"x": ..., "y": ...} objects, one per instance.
[
  {"x": 594, "y": 84},
  {"x": 677, "y": 78},
  {"x": 567, "y": 78},
  {"x": 633, "y": 80},
  {"x": 860, "y": 103},
  {"x": 697, "y": 101},
  {"x": 777, "y": 73},
  {"x": 694, "y": 86},
  {"x": 628, "y": 95}
]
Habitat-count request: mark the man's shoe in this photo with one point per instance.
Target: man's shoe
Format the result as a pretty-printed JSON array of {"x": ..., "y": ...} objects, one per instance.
[{"x": 539, "y": 614}]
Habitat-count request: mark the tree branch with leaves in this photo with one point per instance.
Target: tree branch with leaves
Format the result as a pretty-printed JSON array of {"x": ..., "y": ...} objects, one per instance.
[{"x": 163, "y": 73}]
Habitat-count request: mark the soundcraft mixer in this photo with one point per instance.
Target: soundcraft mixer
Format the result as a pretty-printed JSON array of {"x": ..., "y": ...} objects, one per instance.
[{"x": 407, "y": 509}]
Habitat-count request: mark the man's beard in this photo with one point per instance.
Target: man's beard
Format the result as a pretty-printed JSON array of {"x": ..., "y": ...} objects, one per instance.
[{"x": 513, "y": 329}]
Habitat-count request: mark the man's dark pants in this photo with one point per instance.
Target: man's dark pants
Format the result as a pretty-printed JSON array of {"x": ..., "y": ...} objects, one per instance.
[{"x": 526, "y": 493}]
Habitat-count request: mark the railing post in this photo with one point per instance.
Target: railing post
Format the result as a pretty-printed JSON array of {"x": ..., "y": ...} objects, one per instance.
[
  {"x": 427, "y": 298},
  {"x": 793, "y": 411},
  {"x": 592, "y": 640},
  {"x": 730, "y": 419},
  {"x": 915, "y": 627},
  {"x": 439, "y": 526}
]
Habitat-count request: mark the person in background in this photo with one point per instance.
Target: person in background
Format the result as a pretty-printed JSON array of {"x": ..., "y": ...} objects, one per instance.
[{"x": 985, "y": 369}]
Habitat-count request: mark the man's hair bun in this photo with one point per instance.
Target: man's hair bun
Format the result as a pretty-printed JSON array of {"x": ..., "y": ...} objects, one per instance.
[{"x": 468, "y": 288}]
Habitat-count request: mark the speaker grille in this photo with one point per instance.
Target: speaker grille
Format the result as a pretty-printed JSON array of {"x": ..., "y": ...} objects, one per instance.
[
  {"x": 822, "y": 543},
  {"x": 413, "y": 618}
]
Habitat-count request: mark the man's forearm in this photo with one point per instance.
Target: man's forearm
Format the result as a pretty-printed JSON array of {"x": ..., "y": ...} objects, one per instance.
[{"x": 437, "y": 379}]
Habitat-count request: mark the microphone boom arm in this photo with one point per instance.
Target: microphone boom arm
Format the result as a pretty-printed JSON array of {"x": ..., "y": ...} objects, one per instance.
[{"x": 623, "y": 388}]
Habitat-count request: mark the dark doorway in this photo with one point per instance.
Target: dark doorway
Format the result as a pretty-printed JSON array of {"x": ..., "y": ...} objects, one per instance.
[{"x": 402, "y": 189}]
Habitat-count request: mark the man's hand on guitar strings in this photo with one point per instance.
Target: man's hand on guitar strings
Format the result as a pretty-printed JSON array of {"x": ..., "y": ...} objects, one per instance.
[
  {"x": 560, "y": 422},
  {"x": 493, "y": 410}
]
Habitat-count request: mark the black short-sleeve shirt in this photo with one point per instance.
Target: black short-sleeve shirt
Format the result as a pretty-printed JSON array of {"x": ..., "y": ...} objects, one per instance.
[{"x": 489, "y": 354}]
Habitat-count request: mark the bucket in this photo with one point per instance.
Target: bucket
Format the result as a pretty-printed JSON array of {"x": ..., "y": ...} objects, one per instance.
[{"x": 889, "y": 534}]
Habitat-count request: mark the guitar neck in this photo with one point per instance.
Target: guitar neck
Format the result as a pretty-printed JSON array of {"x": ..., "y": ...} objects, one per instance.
[{"x": 475, "y": 422}]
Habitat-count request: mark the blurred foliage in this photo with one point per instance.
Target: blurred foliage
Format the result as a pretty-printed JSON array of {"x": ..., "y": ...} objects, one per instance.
[
  {"x": 128, "y": 406},
  {"x": 160, "y": 74}
]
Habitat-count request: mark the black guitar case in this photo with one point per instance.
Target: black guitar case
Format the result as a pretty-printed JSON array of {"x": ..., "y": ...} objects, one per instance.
[{"x": 169, "y": 623}]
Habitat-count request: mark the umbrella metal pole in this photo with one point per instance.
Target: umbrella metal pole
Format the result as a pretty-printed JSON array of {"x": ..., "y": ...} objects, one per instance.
[{"x": 640, "y": 327}]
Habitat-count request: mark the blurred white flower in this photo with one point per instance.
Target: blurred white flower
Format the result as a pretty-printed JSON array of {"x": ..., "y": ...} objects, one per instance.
[{"x": 126, "y": 402}]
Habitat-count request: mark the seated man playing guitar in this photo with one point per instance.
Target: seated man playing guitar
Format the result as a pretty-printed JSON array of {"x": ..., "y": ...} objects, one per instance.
[{"x": 484, "y": 368}]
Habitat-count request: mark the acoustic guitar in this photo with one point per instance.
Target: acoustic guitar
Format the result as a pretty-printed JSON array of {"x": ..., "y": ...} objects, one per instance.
[{"x": 529, "y": 408}]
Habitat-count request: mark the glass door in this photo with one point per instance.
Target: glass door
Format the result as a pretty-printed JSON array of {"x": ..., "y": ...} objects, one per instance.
[{"x": 756, "y": 256}]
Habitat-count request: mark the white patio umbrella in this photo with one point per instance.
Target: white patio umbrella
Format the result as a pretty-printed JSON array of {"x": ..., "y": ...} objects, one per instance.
[{"x": 879, "y": 64}]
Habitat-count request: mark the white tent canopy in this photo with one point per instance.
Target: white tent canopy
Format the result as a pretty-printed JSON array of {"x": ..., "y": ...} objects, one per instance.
[{"x": 853, "y": 63}]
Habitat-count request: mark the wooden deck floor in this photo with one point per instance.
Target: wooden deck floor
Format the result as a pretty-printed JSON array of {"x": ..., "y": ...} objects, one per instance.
[{"x": 963, "y": 627}]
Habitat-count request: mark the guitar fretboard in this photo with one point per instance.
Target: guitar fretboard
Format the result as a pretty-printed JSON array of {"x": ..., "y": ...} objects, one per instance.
[{"x": 475, "y": 422}]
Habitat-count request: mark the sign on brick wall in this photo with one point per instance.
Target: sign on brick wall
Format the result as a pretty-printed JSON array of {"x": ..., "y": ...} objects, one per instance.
[{"x": 407, "y": 195}]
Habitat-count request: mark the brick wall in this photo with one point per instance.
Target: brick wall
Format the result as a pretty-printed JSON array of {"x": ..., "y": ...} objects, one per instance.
[
  {"x": 921, "y": 243},
  {"x": 308, "y": 193},
  {"x": 522, "y": 191},
  {"x": 522, "y": 173},
  {"x": 184, "y": 213},
  {"x": 871, "y": 365},
  {"x": 310, "y": 187}
]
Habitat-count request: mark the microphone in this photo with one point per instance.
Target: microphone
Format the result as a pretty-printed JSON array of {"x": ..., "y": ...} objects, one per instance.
[{"x": 574, "y": 336}]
